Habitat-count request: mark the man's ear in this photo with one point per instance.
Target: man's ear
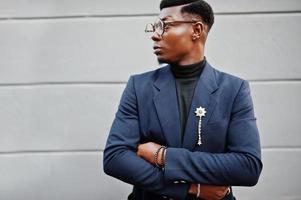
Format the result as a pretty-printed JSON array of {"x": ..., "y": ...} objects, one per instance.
[{"x": 198, "y": 30}]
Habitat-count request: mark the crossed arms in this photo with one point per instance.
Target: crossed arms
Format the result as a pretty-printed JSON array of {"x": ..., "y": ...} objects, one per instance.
[{"x": 240, "y": 166}]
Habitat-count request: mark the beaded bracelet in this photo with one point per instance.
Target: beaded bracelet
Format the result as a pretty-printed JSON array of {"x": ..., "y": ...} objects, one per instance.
[
  {"x": 156, "y": 157},
  {"x": 163, "y": 157}
]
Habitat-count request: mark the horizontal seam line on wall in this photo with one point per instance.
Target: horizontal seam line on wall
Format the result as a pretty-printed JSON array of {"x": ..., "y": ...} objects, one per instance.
[
  {"x": 274, "y": 80},
  {"x": 76, "y": 17},
  {"x": 122, "y": 82},
  {"x": 64, "y": 83},
  {"x": 293, "y": 148},
  {"x": 139, "y": 15},
  {"x": 275, "y": 148},
  {"x": 51, "y": 151}
]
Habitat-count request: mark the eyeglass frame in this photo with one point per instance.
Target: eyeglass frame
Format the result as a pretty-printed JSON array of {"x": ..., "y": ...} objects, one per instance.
[{"x": 166, "y": 23}]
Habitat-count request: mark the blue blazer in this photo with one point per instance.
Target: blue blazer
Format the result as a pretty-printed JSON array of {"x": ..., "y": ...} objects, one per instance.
[{"x": 230, "y": 152}]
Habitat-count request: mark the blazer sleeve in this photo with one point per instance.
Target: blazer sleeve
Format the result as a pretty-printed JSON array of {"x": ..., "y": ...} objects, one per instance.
[
  {"x": 240, "y": 166},
  {"x": 120, "y": 158}
]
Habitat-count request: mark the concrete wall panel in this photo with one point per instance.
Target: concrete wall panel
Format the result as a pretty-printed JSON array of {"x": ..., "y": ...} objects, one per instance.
[
  {"x": 56, "y": 176},
  {"x": 254, "y": 47},
  {"x": 56, "y": 118}
]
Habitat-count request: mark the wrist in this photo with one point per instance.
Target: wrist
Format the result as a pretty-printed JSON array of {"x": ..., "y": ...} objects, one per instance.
[{"x": 193, "y": 189}]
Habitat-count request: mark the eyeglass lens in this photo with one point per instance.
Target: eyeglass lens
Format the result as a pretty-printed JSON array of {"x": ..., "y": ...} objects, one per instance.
[{"x": 157, "y": 27}]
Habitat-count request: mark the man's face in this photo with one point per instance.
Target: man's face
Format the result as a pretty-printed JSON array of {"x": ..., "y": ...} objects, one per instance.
[{"x": 175, "y": 45}]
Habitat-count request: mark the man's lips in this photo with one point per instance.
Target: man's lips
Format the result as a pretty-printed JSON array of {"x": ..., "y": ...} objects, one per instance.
[{"x": 157, "y": 49}]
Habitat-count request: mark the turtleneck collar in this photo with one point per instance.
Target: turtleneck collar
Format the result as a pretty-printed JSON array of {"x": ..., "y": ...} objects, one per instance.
[{"x": 188, "y": 71}]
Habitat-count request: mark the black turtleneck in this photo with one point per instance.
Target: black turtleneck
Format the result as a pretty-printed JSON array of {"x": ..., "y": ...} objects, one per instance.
[{"x": 186, "y": 78}]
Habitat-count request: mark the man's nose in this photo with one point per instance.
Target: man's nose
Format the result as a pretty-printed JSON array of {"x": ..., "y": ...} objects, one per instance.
[{"x": 156, "y": 36}]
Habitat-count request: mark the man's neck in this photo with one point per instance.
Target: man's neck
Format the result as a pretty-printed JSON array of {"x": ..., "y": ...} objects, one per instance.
[{"x": 190, "y": 61}]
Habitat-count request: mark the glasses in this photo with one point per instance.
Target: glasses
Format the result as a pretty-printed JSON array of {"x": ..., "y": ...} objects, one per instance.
[{"x": 160, "y": 26}]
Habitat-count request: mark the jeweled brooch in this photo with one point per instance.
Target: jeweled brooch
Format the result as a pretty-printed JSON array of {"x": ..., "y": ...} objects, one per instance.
[{"x": 200, "y": 112}]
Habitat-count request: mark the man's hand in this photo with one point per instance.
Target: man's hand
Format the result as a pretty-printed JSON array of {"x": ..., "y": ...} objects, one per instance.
[
  {"x": 209, "y": 192},
  {"x": 148, "y": 150}
]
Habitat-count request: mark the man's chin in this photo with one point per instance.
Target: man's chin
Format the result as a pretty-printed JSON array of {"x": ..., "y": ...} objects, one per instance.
[{"x": 162, "y": 60}]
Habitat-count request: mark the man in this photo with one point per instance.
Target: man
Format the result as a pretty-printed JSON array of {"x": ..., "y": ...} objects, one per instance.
[{"x": 186, "y": 130}]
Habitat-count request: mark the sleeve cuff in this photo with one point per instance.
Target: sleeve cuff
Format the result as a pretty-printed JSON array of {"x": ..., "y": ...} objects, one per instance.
[{"x": 172, "y": 171}]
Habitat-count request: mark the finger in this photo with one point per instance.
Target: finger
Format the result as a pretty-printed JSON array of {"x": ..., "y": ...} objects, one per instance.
[
  {"x": 228, "y": 191},
  {"x": 222, "y": 195}
]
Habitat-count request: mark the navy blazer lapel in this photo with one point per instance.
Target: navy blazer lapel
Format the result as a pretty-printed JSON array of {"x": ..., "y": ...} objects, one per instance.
[
  {"x": 166, "y": 104},
  {"x": 203, "y": 96}
]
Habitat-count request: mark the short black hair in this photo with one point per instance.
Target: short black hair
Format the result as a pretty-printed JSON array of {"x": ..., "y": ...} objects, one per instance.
[{"x": 196, "y": 7}]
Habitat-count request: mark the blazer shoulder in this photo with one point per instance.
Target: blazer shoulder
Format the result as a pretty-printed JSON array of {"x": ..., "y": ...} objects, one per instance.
[
  {"x": 228, "y": 79},
  {"x": 229, "y": 84}
]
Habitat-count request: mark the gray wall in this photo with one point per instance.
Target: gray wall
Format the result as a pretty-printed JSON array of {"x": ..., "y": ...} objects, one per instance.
[{"x": 64, "y": 64}]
